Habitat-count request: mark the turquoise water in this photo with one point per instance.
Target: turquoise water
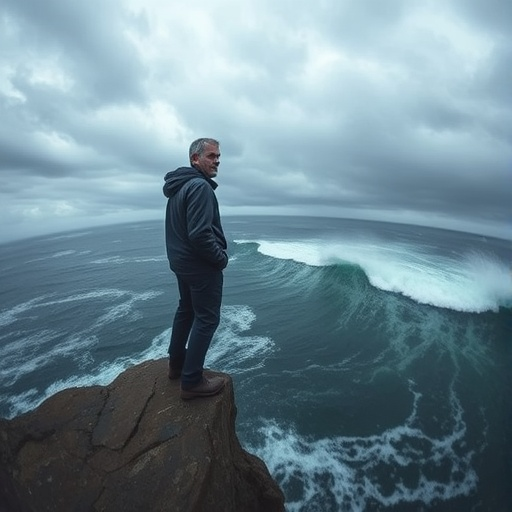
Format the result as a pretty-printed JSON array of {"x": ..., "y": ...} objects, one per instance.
[{"x": 371, "y": 361}]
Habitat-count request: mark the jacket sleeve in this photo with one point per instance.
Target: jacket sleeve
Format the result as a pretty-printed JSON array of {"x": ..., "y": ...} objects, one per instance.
[{"x": 202, "y": 212}]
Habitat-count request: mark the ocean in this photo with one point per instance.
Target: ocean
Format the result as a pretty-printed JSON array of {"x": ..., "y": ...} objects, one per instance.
[{"x": 371, "y": 361}]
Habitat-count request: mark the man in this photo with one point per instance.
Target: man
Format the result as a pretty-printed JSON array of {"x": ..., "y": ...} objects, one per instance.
[{"x": 196, "y": 249}]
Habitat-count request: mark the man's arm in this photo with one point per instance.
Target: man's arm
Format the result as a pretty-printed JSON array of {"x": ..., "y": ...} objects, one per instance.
[{"x": 201, "y": 211}]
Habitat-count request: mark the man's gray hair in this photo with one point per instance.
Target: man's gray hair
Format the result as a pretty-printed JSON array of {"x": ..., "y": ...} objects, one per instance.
[{"x": 197, "y": 147}]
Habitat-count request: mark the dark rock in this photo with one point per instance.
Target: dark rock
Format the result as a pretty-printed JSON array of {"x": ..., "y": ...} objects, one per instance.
[{"x": 132, "y": 446}]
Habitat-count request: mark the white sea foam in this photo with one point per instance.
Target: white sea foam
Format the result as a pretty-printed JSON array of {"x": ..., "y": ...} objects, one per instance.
[
  {"x": 233, "y": 350},
  {"x": 118, "y": 260},
  {"x": 69, "y": 235},
  {"x": 125, "y": 309},
  {"x": 11, "y": 315},
  {"x": 63, "y": 253},
  {"x": 102, "y": 375},
  {"x": 58, "y": 254},
  {"x": 400, "y": 465},
  {"x": 32, "y": 348},
  {"x": 475, "y": 282},
  {"x": 32, "y": 352}
]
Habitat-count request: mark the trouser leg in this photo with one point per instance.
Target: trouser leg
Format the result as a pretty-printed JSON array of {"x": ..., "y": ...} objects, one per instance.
[
  {"x": 206, "y": 297},
  {"x": 182, "y": 324}
]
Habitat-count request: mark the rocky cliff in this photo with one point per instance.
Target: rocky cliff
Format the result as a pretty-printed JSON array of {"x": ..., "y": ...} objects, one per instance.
[{"x": 132, "y": 446}]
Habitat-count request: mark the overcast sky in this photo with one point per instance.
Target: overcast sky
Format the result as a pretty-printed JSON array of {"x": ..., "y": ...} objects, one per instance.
[{"x": 395, "y": 110}]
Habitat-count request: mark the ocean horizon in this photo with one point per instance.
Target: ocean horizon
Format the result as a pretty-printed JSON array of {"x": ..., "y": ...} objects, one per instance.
[{"x": 371, "y": 360}]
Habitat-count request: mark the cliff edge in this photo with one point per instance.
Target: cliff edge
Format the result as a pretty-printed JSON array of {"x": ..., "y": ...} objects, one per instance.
[{"x": 130, "y": 446}]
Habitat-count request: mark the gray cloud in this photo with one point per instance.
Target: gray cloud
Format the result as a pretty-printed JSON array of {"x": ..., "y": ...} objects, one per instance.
[{"x": 389, "y": 110}]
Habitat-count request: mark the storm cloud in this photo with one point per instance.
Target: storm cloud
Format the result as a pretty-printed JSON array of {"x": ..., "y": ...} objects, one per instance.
[{"x": 397, "y": 110}]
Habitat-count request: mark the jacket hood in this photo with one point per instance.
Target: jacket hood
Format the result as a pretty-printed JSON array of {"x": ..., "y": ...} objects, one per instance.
[{"x": 174, "y": 180}]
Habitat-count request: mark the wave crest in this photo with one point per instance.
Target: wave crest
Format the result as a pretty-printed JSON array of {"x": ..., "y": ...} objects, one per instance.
[{"x": 473, "y": 282}]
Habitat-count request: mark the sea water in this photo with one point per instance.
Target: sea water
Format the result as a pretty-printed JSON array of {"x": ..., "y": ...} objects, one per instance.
[{"x": 371, "y": 361}]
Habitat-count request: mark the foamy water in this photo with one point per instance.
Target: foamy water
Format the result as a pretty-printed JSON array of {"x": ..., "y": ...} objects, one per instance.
[
  {"x": 357, "y": 471},
  {"x": 232, "y": 351}
]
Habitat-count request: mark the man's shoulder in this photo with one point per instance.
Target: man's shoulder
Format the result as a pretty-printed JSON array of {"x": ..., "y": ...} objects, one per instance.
[
  {"x": 200, "y": 184},
  {"x": 197, "y": 182}
]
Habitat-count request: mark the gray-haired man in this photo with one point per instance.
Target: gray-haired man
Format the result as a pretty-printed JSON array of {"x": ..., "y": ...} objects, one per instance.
[{"x": 196, "y": 249}]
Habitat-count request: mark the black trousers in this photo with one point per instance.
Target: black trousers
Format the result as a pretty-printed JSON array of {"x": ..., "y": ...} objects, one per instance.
[{"x": 195, "y": 322}]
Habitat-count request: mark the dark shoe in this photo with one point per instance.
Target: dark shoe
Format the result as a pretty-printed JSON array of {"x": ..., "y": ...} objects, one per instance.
[
  {"x": 174, "y": 373},
  {"x": 208, "y": 386}
]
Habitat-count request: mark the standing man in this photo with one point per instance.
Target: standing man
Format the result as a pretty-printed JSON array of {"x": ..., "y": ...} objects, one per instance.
[{"x": 196, "y": 249}]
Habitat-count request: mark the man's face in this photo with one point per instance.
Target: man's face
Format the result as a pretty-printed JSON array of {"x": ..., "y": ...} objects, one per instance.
[{"x": 208, "y": 161}]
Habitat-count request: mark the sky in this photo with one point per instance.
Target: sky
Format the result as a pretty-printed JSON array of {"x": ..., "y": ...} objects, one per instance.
[{"x": 395, "y": 110}]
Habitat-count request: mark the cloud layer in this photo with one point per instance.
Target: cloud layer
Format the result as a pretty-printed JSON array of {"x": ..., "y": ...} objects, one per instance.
[{"x": 397, "y": 110}]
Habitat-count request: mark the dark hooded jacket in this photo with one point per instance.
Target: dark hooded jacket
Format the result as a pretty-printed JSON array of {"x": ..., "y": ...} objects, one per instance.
[{"x": 194, "y": 237}]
